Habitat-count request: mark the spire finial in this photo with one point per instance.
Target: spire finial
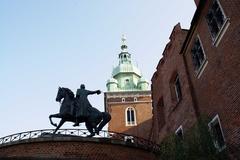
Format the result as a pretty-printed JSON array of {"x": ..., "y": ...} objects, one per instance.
[
  {"x": 124, "y": 46},
  {"x": 123, "y": 39}
]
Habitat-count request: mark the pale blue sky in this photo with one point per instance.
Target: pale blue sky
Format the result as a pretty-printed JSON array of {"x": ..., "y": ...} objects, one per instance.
[{"x": 49, "y": 43}]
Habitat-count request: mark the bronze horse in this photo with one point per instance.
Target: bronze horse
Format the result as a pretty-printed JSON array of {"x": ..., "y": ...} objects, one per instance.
[{"x": 94, "y": 122}]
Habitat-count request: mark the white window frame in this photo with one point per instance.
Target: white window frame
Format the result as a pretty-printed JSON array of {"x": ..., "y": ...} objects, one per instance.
[
  {"x": 126, "y": 118},
  {"x": 180, "y": 128},
  {"x": 205, "y": 61},
  {"x": 175, "y": 88},
  {"x": 129, "y": 139},
  {"x": 135, "y": 99},
  {"x": 215, "y": 120},
  {"x": 223, "y": 29}
]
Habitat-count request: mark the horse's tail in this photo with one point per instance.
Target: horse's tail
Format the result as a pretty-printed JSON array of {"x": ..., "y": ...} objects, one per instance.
[{"x": 106, "y": 117}]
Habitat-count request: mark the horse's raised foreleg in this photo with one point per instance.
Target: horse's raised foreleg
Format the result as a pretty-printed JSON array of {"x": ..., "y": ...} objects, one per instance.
[
  {"x": 59, "y": 125},
  {"x": 54, "y": 116}
]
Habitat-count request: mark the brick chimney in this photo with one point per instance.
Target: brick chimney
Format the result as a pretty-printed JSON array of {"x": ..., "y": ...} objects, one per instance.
[{"x": 197, "y": 2}]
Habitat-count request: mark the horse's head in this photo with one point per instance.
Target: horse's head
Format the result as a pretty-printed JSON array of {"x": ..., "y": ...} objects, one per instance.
[
  {"x": 60, "y": 94},
  {"x": 64, "y": 93}
]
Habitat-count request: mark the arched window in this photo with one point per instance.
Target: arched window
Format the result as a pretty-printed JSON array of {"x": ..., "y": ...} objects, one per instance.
[
  {"x": 135, "y": 99},
  {"x": 130, "y": 116}
]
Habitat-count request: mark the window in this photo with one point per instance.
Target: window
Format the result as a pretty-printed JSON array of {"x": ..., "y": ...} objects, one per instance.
[
  {"x": 217, "y": 133},
  {"x": 129, "y": 139},
  {"x": 135, "y": 99},
  {"x": 198, "y": 55},
  {"x": 216, "y": 19},
  {"x": 127, "y": 84},
  {"x": 177, "y": 88},
  {"x": 130, "y": 117},
  {"x": 179, "y": 132}
]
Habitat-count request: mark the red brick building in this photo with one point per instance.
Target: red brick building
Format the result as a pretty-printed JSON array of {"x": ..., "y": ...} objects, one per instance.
[
  {"x": 141, "y": 109},
  {"x": 199, "y": 76},
  {"x": 172, "y": 111}
]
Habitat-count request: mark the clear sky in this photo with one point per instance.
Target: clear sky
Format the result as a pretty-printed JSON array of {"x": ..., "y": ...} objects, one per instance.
[{"x": 49, "y": 43}]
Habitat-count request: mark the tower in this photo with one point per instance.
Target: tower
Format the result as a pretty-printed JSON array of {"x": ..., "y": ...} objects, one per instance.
[{"x": 128, "y": 98}]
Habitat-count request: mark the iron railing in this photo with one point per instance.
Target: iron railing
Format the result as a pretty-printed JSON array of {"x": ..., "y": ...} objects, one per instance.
[{"x": 44, "y": 133}]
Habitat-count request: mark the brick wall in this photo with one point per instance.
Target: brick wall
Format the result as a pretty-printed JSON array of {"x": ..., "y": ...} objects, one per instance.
[
  {"x": 169, "y": 114},
  {"x": 197, "y": 2},
  {"x": 142, "y": 107},
  {"x": 213, "y": 91},
  {"x": 217, "y": 90},
  {"x": 73, "y": 148}
]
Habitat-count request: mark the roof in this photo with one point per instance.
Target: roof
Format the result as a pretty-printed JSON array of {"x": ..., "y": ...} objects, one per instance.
[{"x": 126, "y": 68}]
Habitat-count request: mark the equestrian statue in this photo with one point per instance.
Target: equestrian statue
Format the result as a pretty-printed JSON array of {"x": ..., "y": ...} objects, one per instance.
[{"x": 78, "y": 109}]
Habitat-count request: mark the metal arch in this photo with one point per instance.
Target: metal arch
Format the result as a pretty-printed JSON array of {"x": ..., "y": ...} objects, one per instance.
[{"x": 129, "y": 139}]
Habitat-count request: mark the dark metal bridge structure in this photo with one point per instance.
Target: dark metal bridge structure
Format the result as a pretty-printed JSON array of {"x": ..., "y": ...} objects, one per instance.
[{"x": 129, "y": 140}]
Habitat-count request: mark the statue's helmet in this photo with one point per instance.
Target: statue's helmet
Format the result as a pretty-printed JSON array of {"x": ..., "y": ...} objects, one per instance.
[{"x": 82, "y": 86}]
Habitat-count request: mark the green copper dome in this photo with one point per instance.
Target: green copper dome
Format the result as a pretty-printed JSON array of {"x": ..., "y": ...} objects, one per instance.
[
  {"x": 143, "y": 84},
  {"x": 112, "y": 80},
  {"x": 126, "y": 76},
  {"x": 126, "y": 68},
  {"x": 112, "y": 84}
]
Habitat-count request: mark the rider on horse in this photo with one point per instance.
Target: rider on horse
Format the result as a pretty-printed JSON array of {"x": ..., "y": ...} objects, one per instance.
[
  {"x": 93, "y": 118},
  {"x": 82, "y": 105}
]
